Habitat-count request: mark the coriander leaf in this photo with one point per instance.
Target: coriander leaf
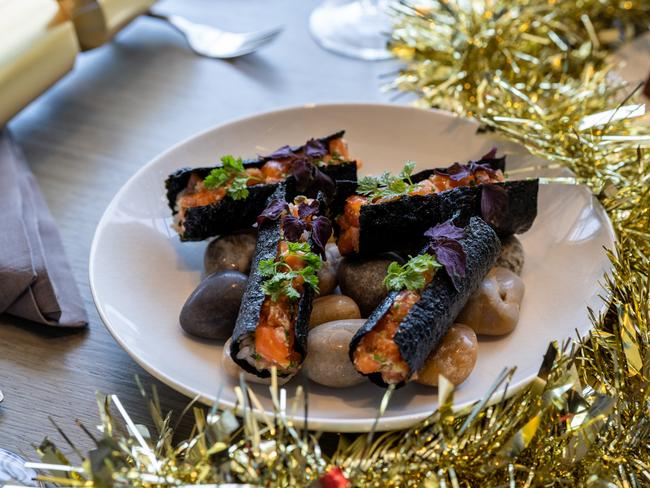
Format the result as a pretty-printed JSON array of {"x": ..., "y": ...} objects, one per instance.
[
  {"x": 387, "y": 185},
  {"x": 367, "y": 185},
  {"x": 407, "y": 171},
  {"x": 232, "y": 164},
  {"x": 281, "y": 283},
  {"x": 232, "y": 173},
  {"x": 412, "y": 274},
  {"x": 297, "y": 247},
  {"x": 290, "y": 291},
  {"x": 217, "y": 178},
  {"x": 266, "y": 267},
  {"x": 238, "y": 189}
]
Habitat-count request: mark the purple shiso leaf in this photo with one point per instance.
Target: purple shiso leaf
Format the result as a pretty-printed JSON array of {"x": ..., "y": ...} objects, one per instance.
[
  {"x": 292, "y": 227},
  {"x": 322, "y": 182},
  {"x": 456, "y": 171},
  {"x": 494, "y": 203},
  {"x": 301, "y": 169},
  {"x": 452, "y": 256},
  {"x": 321, "y": 230},
  {"x": 285, "y": 152},
  {"x": 448, "y": 251},
  {"x": 306, "y": 210},
  {"x": 310, "y": 179},
  {"x": 272, "y": 211},
  {"x": 446, "y": 230},
  {"x": 315, "y": 149}
]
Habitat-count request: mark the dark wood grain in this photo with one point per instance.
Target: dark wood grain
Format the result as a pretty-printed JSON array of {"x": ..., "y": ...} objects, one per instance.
[{"x": 123, "y": 104}]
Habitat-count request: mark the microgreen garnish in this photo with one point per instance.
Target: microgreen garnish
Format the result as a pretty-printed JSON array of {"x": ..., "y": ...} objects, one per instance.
[
  {"x": 443, "y": 251},
  {"x": 387, "y": 185},
  {"x": 320, "y": 227},
  {"x": 412, "y": 274},
  {"x": 232, "y": 174},
  {"x": 280, "y": 276}
]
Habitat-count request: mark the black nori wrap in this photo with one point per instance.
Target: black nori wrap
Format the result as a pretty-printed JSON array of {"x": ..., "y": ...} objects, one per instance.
[
  {"x": 268, "y": 238},
  {"x": 228, "y": 215},
  {"x": 440, "y": 303},
  {"x": 398, "y": 225}
]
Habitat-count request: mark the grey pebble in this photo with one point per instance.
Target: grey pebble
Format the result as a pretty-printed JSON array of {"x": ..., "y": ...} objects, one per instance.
[
  {"x": 363, "y": 280},
  {"x": 233, "y": 252},
  {"x": 211, "y": 310}
]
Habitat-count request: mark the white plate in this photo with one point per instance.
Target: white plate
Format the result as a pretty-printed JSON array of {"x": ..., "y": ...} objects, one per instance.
[{"x": 141, "y": 274}]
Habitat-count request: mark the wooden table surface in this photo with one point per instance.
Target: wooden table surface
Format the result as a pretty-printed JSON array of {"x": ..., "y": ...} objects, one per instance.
[{"x": 122, "y": 105}]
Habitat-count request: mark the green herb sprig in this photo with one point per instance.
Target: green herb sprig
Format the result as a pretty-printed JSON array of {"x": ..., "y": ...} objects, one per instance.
[
  {"x": 410, "y": 275},
  {"x": 387, "y": 185},
  {"x": 279, "y": 275},
  {"x": 231, "y": 173}
]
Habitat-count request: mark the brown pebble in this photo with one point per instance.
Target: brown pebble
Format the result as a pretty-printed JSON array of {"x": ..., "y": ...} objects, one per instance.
[
  {"x": 333, "y": 307},
  {"x": 494, "y": 308},
  {"x": 327, "y": 282},
  {"x": 328, "y": 361},
  {"x": 363, "y": 281},
  {"x": 454, "y": 358}
]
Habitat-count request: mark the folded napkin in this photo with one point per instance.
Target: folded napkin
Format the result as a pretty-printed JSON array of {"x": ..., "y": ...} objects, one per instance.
[{"x": 36, "y": 282}]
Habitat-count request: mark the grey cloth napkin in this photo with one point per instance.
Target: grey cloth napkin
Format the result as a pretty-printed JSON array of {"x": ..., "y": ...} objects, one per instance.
[{"x": 36, "y": 282}]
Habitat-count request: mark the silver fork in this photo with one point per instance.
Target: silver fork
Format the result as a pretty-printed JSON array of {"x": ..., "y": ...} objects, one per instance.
[{"x": 211, "y": 42}]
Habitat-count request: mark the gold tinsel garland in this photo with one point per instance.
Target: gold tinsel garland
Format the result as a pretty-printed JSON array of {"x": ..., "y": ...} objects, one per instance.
[{"x": 537, "y": 72}]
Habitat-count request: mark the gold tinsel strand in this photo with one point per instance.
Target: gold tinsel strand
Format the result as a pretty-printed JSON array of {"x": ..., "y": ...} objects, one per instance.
[{"x": 536, "y": 72}]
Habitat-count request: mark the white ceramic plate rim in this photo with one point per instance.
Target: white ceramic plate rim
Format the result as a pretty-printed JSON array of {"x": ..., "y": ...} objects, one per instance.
[{"x": 341, "y": 425}]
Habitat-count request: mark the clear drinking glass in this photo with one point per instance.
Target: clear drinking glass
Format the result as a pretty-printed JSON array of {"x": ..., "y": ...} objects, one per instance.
[{"x": 358, "y": 29}]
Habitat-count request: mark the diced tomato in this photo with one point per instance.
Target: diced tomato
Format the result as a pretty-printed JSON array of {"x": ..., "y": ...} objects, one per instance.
[
  {"x": 424, "y": 187},
  {"x": 272, "y": 346},
  {"x": 348, "y": 241},
  {"x": 274, "y": 335},
  {"x": 274, "y": 171},
  {"x": 295, "y": 262},
  {"x": 339, "y": 146},
  {"x": 255, "y": 176},
  {"x": 202, "y": 197}
]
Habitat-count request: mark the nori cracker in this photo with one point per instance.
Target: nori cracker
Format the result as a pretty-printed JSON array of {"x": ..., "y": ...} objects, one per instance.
[
  {"x": 398, "y": 225},
  {"x": 268, "y": 238},
  {"x": 228, "y": 215},
  {"x": 440, "y": 303}
]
